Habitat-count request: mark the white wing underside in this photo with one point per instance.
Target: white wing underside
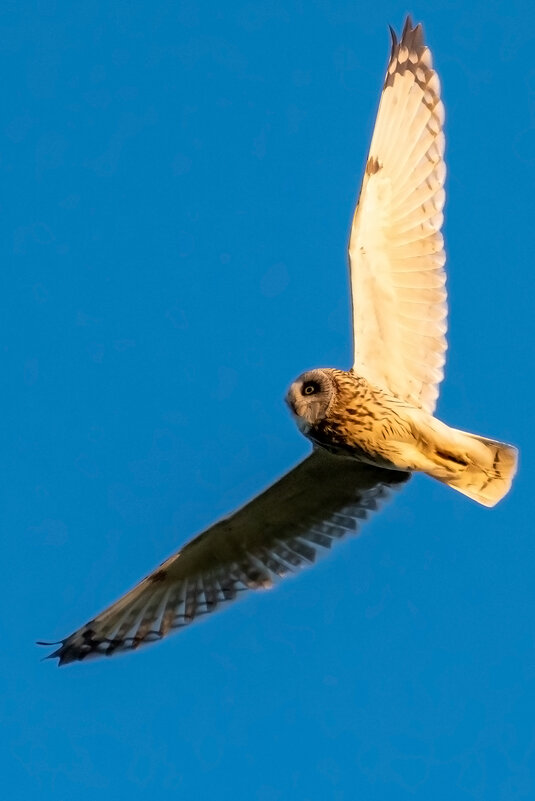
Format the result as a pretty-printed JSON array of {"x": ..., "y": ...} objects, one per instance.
[
  {"x": 281, "y": 530},
  {"x": 396, "y": 250}
]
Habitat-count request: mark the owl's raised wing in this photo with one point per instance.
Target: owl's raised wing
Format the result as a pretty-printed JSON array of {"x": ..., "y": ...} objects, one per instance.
[
  {"x": 284, "y": 528},
  {"x": 396, "y": 250}
]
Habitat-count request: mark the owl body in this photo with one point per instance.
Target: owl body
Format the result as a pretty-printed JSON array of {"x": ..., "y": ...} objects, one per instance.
[{"x": 347, "y": 415}]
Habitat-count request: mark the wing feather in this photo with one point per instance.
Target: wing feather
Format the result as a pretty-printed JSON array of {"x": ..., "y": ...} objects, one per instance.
[
  {"x": 283, "y": 529},
  {"x": 396, "y": 249}
]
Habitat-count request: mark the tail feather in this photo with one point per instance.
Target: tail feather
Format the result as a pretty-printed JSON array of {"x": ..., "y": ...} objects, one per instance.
[{"x": 486, "y": 468}]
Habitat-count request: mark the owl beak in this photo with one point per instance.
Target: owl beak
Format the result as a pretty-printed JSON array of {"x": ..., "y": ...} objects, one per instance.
[{"x": 290, "y": 402}]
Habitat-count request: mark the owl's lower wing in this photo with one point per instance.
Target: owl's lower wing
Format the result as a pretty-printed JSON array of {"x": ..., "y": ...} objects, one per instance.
[
  {"x": 396, "y": 250},
  {"x": 284, "y": 528}
]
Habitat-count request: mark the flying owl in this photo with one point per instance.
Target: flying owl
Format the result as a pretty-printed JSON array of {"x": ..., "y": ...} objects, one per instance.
[{"x": 371, "y": 426}]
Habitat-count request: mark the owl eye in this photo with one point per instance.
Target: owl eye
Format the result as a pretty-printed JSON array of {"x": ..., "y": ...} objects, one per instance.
[{"x": 310, "y": 388}]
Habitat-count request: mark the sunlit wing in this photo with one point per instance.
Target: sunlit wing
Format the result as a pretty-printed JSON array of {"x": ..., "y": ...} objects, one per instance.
[
  {"x": 281, "y": 530},
  {"x": 396, "y": 250}
]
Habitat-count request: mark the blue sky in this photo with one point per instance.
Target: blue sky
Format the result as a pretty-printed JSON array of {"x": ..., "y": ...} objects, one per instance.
[{"x": 178, "y": 183}]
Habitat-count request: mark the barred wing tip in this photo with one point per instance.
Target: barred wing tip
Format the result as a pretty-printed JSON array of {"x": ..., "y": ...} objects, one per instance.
[
  {"x": 396, "y": 248},
  {"x": 412, "y": 35}
]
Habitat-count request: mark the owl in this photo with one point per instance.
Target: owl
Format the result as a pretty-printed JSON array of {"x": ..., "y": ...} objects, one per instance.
[{"x": 371, "y": 427}]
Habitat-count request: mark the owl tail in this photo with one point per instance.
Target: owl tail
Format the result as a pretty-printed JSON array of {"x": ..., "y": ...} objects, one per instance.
[{"x": 478, "y": 467}]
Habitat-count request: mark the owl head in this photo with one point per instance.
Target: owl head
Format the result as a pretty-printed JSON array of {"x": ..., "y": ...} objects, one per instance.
[{"x": 310, "y": 397}]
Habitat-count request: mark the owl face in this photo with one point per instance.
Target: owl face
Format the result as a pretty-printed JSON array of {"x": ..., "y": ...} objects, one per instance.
[{"x": 310, "y": 397}]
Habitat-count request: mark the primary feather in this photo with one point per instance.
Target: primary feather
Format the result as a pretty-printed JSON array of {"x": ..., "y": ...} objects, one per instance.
[
  {"x": 281, "y": 530},
  {"x": 396, "y": 250}
]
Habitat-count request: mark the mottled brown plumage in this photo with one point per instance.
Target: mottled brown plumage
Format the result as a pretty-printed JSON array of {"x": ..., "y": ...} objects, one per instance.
[
  {"x": 372, "y": 426},
  {"x": 360, "y": 418},
  {"x": 346, "y": 415}
]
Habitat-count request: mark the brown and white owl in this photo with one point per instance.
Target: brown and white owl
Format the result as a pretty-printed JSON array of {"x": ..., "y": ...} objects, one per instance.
[{"x": 371, "y": 426}]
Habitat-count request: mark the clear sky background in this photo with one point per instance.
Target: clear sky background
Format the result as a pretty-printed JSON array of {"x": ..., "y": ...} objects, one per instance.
[{"x": 178, "y": 182}]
